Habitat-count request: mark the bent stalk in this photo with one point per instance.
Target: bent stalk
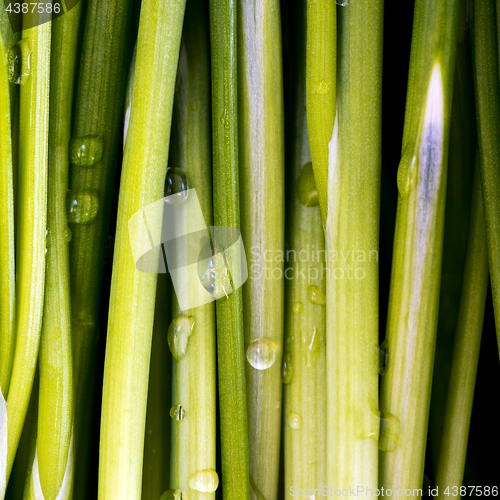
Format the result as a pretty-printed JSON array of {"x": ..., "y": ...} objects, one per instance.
[
  {"x": 416, "y": 271},
  {"x": 131, "y": 309}
]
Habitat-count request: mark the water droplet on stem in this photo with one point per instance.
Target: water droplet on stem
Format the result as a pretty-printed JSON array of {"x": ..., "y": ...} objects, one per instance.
[
  {"x": 179, "y": 332},
  {"x": 204, "y": 481},
  {"x": 261, "y": 353}
]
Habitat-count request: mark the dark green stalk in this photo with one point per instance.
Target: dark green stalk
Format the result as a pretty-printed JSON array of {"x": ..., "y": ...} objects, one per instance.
[
  {"x": 458, "y": 407},
  {"x": 96, "y": 134},
  {"x": 487, "y": 91},
  {"x": 230, "y": 329}
]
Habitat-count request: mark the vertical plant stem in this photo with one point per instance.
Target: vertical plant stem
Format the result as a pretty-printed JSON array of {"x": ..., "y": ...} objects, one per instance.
[
  {"x": 487, "y": 91},
  {"x": 7, "y": 255},
  {"x": 131, "y": 309},
  {"x": 230, "y": 328},
  {"x": 261, "y": 156},
  {"x": 466, "y": 352},
  {"x": 96, "y": 133},
  {"x": 304, "y": 359},
  {"x": 416, "y": 270},
  {"x": 31, "y": 228},
  {"x": 54, "y": 457},
  {"x": 192, "y": 464},
  {"x": 321, "y": 88},
  {"x": 352, "y": 234}
]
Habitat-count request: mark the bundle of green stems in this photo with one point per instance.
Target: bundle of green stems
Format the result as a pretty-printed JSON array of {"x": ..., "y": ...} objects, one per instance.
[{"x": 191, "y": 285}]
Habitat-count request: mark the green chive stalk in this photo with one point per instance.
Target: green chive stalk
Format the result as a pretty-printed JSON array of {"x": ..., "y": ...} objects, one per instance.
[
  {"x": 304, "y": 359},
  {"x": 416, "y": 271},
  {"x": 54, "y": 458},
  {"x": 192, "y": 461},
  {"x": 7, "y": 255},
  {"x": 261, "y": 157},
  {"x": 458, "y": 411},
  {"x": 230, "y": 327},
  {"x": 96, "y": 135},
  {"x": 131, "y": 309},
  {"x": 321, "y": 88},
  {"x": 156, "y": 471},
  {"x": 462, "y": 149},
  {"x": 31, "y": 232},
  {"x": 487, "y": 92},
  {"x": 352, "y": 242}
]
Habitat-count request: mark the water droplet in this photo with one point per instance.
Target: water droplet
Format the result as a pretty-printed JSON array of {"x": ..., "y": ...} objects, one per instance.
[
  {"x": 261, "y": 353},
  {"x": 426, "y": 486},
  {"x": 177, "y": 412},
  {"x": 312, "y": 347},
  {"x": 223, "y": 117},
  {"x": 179, "y": 332},
  {"x": 287, "y": 370},
  {"x": 86, "y": 151},
  {"x": 213, "y": 272},
  {"x": 323, "y": 87},
  {"x": 368, "y": 421},
  {"x": 83, "y": 206},
  {"x": 316, "y": 296},
  {"x": 389, "y": 432},
  {"x": 305, "y": 187},
  {"x": 68, "y": 235},
  {"x": 174, "y": 495},
  {"x": 298, "y": 307},
  {"x": 407, "y": 171},
  {"x": 19, "y": 62},
  {"x": 383, "y": 356},
  {"x": 342, "y": 3},
  {"x": 204, "y": 481},
  {"x": 295, "y": 421},
  {"x": 176, "y": 186}
]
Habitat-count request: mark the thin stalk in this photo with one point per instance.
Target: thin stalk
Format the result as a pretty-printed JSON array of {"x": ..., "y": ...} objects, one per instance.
[
  {"x": 466, "y": 352},
  {"x": 352, "y": 241},
  {"x": 304, "y": 360},
  {"x": 418, "y": 242},
  {"x": 261, "y": 157},
  {"x": 54, "y": 457},
  {"x": 230, "y": 328},
  {"x": 487, "y": 91},
  {"x": 321, "y": 88},
  {"x": 31, "y": 229},
  {"x": 7, "y": 255},
  {"x": 96, "y": 135},
  {"x": 462, "y": 149},
  {"x": 131, "y": 309},
  {"x": 156, "y": 474},
  {"x": 192, "y": 461}
]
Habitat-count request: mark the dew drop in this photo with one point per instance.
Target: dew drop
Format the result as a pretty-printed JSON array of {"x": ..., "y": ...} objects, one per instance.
[
  {"x": 305, "y": 187},
  {"x": 261, "y": 353},
  {"x": 295, "y": 421},
  {"x": 389, "y": 432},
  {"x": 223, "y": 117},
  {"x": 67, "y": 235},
  {"x": 86, "y": 151},
  {"x": 19, "y": 62},
  {"x": 312, "y": 347},
  {"x": 383, "y": 357},
  {"x": 323, "y": 87},
  {"x": 176, "y": 186},
  {"x": 342, "y": 3},
  {"x": 204, "y": 481},
  {"x": 179, "y": 332},
  {"x": 407, "y": 171},
  {"x": 297, "y": 307},
  {"x": 213, "y": 272},
  {"x": 177, "y": 412},
  {"x": 316, "y": 296},
  {"x": 83, "y": 206},
  {"x": 287, "y": 370},
  {"x": 174, "y": 495}
]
